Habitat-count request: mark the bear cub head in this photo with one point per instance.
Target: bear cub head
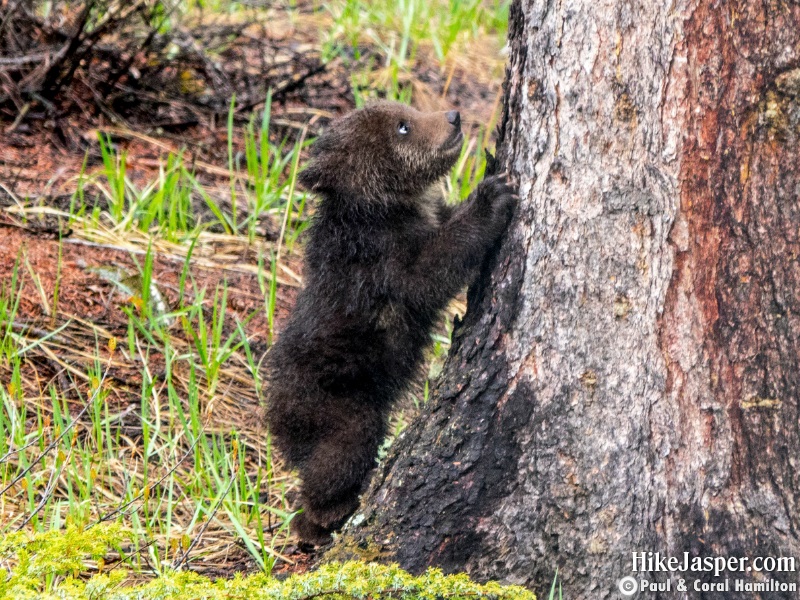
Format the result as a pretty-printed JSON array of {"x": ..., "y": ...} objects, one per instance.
[{"x": 385, "y": 151}]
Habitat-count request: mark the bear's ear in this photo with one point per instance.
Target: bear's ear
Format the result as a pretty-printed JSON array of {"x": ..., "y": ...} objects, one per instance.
[
  {"x": 310, "y": 177},
  {"x": 322, "y": 165}
]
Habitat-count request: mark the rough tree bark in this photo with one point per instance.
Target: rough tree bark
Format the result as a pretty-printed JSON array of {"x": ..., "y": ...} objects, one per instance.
[{"x": 627, "y": 377}]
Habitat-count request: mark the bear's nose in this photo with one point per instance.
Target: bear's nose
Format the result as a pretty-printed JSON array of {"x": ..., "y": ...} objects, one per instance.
[{"x": 454, "y": 118}]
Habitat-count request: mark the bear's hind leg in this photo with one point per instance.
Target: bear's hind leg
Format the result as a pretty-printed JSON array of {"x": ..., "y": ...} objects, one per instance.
[{"x": 334, "y": 475}]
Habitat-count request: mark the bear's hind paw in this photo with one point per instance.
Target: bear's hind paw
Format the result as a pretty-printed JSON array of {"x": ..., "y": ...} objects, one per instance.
[{"x": 310, "y": 532}]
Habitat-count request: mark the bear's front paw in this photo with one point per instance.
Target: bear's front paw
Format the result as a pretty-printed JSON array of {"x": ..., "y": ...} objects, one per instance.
[{"x": 498, "y": 199}]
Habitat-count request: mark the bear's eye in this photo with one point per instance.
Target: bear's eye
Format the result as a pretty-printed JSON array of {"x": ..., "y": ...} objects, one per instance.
[{"x": 403, "y": 128}]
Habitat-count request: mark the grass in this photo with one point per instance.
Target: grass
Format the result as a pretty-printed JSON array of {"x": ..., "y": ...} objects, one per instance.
[
  {"x": 397, "y": 36},
  {"x": 165, "y": 208},
  {"x": 400, "y": 29},
  {"x": 147, "y": 418},
  {"x": 155, "y": 454}
]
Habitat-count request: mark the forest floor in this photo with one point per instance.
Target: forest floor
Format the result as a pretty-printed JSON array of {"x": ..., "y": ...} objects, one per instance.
[{"x": 151, "y": 248}]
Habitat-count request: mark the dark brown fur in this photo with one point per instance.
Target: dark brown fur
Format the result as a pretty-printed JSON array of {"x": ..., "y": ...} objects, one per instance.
[{"x": 384, "y": 257}]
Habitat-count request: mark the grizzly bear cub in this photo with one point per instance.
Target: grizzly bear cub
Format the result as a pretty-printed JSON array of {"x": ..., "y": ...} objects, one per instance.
[{"x": 384, "y": 257}]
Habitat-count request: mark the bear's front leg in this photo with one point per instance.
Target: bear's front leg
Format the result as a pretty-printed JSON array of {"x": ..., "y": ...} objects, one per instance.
[{"x": 454, "y": 253}]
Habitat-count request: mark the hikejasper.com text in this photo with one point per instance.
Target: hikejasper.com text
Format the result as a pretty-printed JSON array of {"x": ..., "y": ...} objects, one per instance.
[{"x": 655, "y": 562}]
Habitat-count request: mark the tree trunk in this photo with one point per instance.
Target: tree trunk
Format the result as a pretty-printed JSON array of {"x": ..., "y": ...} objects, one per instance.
[{"x": 627, "y": 378}]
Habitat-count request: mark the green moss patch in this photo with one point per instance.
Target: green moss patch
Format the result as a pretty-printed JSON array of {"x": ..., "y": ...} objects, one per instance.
[{"x": 56, "y": 565}]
